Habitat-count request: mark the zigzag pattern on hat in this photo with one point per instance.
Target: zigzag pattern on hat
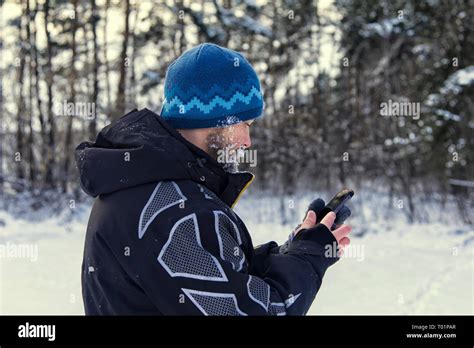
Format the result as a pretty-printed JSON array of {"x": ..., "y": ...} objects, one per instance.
[
  {"x": 206, "y": 108},
  {"x": 207, "y": 95}
]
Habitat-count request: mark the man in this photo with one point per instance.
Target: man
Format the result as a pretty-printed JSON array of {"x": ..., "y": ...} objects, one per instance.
[{"x": 162, "y": 237}]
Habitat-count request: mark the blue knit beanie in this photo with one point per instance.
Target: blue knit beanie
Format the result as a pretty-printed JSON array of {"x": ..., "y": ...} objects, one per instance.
[{"x": 211, "y": 86}]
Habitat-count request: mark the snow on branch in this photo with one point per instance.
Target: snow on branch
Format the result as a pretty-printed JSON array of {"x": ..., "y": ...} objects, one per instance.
[
  {"x": 384, "y": 28},
  {"x": 229, "y": 19},
  {"x": 458, "y": 80}
]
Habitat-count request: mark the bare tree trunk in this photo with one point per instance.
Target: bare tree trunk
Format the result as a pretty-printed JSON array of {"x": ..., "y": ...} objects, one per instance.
[
  {"x": 106, "y": 60},
  {"x": 31, "y": 145},
  {"x": 121, "y": 102},
  {"x": 21, "y": 101},
  {"x": 72, "y": 91},
  {"x": 132, "y": 95},
  {"x": 405, "y": 176},
  {"x": 182, "y": 41},
  {"x": 51, "y": 160},
  {"x": 2, "y": 138},
  {"x": 39, "y": 103},
  {"x": 95, "y": 73}
]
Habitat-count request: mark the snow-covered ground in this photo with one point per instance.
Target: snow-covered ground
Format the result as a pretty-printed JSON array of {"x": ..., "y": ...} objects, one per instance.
[{"x": 392, "y": 268}]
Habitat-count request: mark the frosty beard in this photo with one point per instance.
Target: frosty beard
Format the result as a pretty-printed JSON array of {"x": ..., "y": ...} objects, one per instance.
[{"x": 221, "y": 147}]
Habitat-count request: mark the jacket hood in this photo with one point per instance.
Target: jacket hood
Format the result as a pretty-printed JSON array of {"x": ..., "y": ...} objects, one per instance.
[{"x": 142, "y": 148}]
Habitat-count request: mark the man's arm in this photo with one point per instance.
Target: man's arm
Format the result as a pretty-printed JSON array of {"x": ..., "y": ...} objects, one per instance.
[
  {"x": 263, "y": 251},
  {"x": 199, "y": 268}
]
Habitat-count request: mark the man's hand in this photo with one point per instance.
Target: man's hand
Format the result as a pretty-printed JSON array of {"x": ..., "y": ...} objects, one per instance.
[{"x": 340, "y": 232}]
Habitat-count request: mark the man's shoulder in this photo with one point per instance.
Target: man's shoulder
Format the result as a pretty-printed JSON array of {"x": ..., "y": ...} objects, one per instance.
[
  {"x": 163, "y": 195},
  {"x": 183, "y": 195},
  {"x": 188, "y": 192},
  {"x": 169, "y": 202}
]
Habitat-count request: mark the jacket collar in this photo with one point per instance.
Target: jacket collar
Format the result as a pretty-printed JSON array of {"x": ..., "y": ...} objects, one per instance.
[
  {"x": 155, "y": 152},
  {"x": 204, "y": 169}
]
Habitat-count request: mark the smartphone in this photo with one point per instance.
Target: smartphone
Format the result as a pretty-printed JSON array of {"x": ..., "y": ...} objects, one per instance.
[{"x": 336, "y": 203}]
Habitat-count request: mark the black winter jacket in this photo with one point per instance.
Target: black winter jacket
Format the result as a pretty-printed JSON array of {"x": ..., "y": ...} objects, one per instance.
[{"x": 162, "y": 237}]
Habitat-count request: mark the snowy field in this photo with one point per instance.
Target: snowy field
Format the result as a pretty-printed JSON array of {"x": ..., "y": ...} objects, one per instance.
[{"x": 392, "y": 267}]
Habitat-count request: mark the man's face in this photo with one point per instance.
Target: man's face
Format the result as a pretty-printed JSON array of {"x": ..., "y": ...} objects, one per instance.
[{"x": 226, "y": 144}]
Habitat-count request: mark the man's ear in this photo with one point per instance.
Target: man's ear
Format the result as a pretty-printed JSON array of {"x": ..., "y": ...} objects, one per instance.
[{"x": 196, "y": 136}]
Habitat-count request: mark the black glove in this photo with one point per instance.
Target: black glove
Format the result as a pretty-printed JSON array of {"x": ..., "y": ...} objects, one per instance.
[{"x": 318, "y": 205}]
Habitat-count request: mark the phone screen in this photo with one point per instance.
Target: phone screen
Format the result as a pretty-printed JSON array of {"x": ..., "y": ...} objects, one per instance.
[{"x": 338, "y": 201}]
